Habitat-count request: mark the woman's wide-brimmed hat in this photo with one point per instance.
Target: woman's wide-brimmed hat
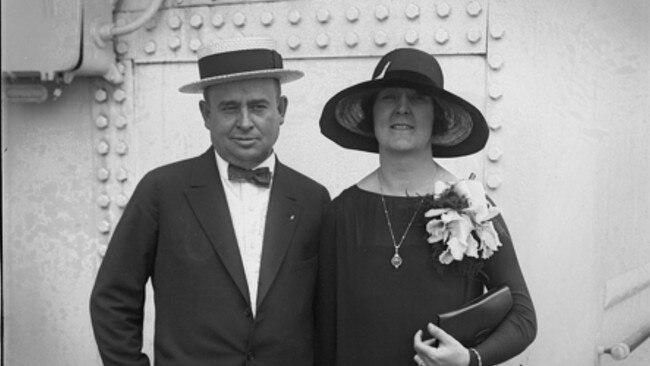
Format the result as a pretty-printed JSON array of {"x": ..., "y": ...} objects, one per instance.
[
  {"x": 346, "y": 120},
  {"x": 237, "y": 59}
]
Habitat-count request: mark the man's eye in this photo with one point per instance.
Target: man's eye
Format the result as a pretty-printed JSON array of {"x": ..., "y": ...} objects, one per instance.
[{"x": 229, "y": 109}]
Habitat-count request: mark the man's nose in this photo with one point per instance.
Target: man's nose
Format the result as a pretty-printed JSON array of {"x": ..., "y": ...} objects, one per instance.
[{"x": 245, "y": 121}]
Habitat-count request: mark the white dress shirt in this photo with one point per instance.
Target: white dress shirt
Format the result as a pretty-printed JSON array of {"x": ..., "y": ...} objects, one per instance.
[{"x": 248, "y": 204}]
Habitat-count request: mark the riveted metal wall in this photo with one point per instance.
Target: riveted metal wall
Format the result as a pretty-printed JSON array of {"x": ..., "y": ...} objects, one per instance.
[{"x": 564, "y": 87}]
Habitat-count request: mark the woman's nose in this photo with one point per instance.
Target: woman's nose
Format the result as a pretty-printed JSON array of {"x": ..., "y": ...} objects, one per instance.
[{"x": 403, "y": 105}]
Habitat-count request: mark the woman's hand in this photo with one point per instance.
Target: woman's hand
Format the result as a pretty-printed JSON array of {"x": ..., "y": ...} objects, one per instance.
[{"x": 449, "y": 351}]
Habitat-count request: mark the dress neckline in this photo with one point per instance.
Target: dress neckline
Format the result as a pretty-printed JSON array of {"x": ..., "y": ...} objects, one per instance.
[{"x": 377, "y": 194}]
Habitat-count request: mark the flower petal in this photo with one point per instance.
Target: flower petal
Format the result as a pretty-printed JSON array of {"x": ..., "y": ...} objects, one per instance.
[{"x": 436, "y": 212}]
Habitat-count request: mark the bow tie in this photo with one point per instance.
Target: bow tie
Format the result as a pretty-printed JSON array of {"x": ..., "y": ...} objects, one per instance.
[{"x": 259, "y": 176}]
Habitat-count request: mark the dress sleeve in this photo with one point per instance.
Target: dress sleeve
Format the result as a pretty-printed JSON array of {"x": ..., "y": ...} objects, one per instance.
[
  {"x": 519, "y": 328},
  {"x": 117, "y": 299}
]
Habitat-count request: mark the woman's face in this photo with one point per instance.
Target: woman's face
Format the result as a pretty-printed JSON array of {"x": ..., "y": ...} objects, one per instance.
[{"x": 403, "y": 120}]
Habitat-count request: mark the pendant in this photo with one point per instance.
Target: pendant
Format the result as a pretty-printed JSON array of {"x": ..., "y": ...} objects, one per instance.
[{"x": 396, "y": 261}]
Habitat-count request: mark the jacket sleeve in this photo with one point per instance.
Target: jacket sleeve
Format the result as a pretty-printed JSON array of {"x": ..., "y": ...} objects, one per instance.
[
  {"x": 117, "y": 299},
  {"x": 519, "y": 328}
]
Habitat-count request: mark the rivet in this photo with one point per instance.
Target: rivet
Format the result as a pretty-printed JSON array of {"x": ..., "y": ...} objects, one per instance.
[
  {"x": 411, "y": 37},
  {"x": 217, "y": 20},
  {"x": 103, "y": 201},
  {"x": 104, "y": 227},
  {"x": 473, "y": 35},
  {"x": 174, "y": 43},
  {"x": 121, "y": 67},
  {"x": 174, "y": 22},
  {"x": 494, "y": 181},
  {"x": 495, "y": 123},
  {"x": 102, "y": 147},
  {"x": 100, "y": 96},
  {"x": 239, "y": 19},
  {"x": 495, "y": 92},
  {"x": 195, "y": 44},
  {"x": 495, "y": 61},
  {"x": 196, "y": 21},
  {"x": 474, "y": 8},
  {"x": 103, "y": 174},
  {"x": 495, "y": 154},
  {"x": 121, "y": 175},
  {"x": 150, "y": 47},
  {"x": 101, "y": 250},
  {"x": 351, "y": 39},
  {"x": 381, "y": 38},
  {"x": 266, "y": 18},
  {"x": 293, "y": 42},
  {"x": 352, "y": 14},
  {"x": 443, "y": 10},
  {"x": 322, "y": 40},
  {"x": 120, "y": 122},
  {"x": 497, "y": 31},
  {"x": 323, "y": 16},
  {"x": 294, "y": 17},
  {"x": 121, "y": 200},
  {"x": 121, "y": 48},
  {"x": 381, "y": 13},
  {"x": 101, "y": 121},
  {"x": 121, "y": 148},
  {"x": 119, "y": 95},
  {"x": 441, "y": 36},
  {"x": 151, "y": 24},
  {"x": 412, "y": 11}
]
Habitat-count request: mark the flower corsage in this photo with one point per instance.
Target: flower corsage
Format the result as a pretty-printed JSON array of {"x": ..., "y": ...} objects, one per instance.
[{"x": 460, "y": 226}]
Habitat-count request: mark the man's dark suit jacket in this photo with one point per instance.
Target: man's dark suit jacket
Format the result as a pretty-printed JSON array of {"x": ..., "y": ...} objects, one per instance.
[{"x": 177, "y": 230}]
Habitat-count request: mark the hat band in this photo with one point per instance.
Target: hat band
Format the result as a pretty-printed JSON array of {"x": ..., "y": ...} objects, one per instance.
[
  {"x": 239, "y": 61},
  {"x": 411, "y": 77}
]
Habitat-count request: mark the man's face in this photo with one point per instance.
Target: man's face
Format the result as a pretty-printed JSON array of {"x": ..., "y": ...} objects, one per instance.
[{"x": 244, "y": 119}]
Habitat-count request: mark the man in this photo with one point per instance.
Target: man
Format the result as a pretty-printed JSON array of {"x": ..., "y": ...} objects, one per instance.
[{"x": 229, "y": 238}]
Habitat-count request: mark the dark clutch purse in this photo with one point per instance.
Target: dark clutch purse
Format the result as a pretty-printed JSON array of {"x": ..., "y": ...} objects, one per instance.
[{"x": 474, "y": 321}]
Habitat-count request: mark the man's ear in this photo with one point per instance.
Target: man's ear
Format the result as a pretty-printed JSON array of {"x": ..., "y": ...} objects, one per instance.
[
  {"x": 283, "y": 102},
  {"x": 205, "y": 111}
]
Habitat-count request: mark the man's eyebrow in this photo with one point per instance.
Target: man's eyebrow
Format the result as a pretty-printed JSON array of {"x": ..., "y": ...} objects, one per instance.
[
  {"x": 258, "y": 101},
  {"x": 229, "y": 103}
]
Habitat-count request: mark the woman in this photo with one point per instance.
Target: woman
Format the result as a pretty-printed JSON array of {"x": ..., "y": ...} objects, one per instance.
[{"x": 381, "y": 280}]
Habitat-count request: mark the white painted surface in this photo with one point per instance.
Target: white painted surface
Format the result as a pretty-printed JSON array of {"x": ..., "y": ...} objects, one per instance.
[{"x": 574, "y": 83}]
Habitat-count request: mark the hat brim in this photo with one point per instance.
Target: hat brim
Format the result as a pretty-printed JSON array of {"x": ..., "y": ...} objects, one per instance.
[
  {"x": 283, "y": 75},
  {"x": 472, "y": 141}
]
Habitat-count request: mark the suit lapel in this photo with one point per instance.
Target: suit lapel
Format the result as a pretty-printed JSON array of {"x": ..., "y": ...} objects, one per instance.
[
  {"x": 281, "y": 221},
  {"x": 208, "y": 200}
]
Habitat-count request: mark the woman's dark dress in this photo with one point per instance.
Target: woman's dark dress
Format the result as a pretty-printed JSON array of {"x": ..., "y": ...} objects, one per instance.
[{"x": 368, "y": 311}]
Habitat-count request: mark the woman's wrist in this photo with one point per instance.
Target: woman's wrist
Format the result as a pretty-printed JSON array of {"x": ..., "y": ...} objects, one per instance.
[{"x": 474, "y": 358}]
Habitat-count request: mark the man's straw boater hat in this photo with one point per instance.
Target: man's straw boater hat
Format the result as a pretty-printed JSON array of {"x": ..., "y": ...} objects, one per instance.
[
  {"x": 237, "y": 59},
  {"x": 346, "y": 120}
]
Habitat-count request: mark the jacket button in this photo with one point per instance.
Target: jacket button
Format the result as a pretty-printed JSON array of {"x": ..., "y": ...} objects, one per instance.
[
  {"x": 250, "y": 356},
  {"x": 248, "y": 313}
]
